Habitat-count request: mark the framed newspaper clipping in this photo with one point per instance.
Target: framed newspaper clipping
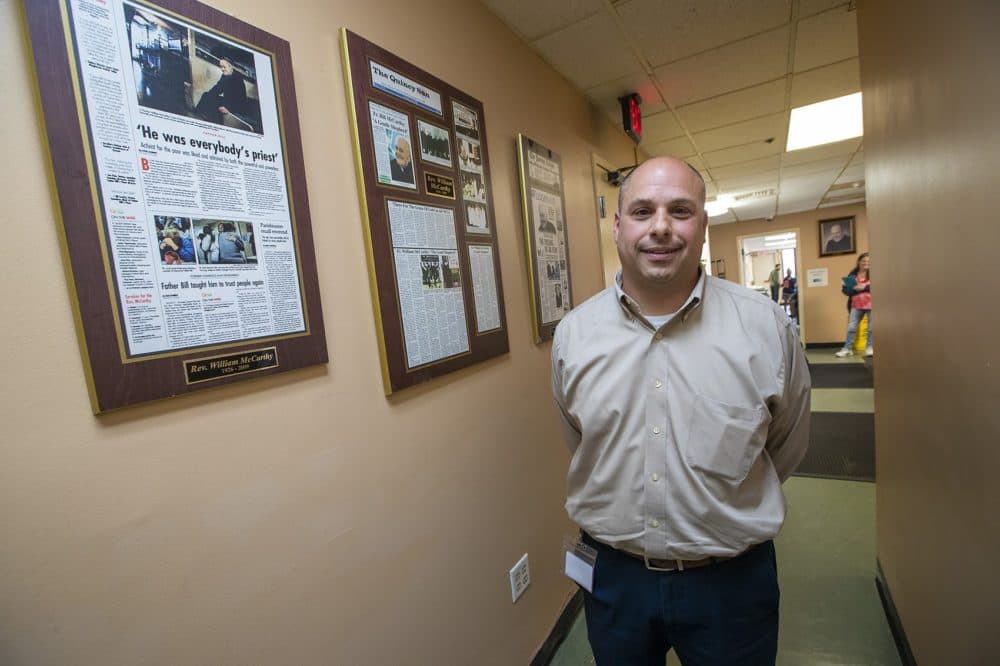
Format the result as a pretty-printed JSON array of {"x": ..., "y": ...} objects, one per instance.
[
  {"x": 546, "y": 242},
  {"x": 427, "y": 208},
  {"x": 177, "y": 164}
]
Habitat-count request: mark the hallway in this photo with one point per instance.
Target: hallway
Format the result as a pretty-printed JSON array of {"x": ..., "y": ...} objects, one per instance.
[{"x": 830, "y": 608}]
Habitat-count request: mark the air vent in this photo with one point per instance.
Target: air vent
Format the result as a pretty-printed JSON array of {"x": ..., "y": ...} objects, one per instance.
[{"x": 752, "y": 196}]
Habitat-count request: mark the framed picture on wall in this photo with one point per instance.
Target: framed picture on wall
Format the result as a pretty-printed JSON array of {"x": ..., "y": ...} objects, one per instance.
[{"x": 836, "y": 236}]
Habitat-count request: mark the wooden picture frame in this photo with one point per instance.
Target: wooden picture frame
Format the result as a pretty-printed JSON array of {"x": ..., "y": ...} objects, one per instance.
[
  {"x": 836, "y": 236},
  {"x": 433, "y": 257},
  {"x": 140, "y": 166},
  {"x": 546, "y": 238}
]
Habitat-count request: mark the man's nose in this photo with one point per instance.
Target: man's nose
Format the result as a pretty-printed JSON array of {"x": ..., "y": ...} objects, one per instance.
[{"x": 661, "y": 224}]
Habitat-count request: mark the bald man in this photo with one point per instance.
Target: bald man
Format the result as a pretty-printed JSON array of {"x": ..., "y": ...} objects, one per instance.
[{"x": 685, "y": 405}]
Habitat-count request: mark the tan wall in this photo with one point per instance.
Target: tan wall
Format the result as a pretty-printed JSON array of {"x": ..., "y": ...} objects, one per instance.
[
  {"x": 304, "y": 518},
  {"x": 823, "y": 310},
  {"x": 931, "y": 90}
]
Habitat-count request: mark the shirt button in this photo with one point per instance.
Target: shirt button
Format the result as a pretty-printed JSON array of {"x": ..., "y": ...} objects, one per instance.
[
  {"x": 656, "y": 430},
  {"x": 656, "y": 477},
  {"x": 658, "y": 336},
  {"x": 659, "y": 384},
  {"x": 654, "y": 523}
]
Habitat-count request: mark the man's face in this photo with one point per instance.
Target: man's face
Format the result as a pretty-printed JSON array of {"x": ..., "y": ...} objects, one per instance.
[
  {"x": 836, "y": 233},
  {"x": 402, "y": 152},
  {"x": 660, "y": 229},
  {"x": 226, "y": 67}
]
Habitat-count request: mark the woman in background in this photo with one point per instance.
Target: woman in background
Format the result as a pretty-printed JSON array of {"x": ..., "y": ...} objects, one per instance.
[{"x": 857, "y": 287}]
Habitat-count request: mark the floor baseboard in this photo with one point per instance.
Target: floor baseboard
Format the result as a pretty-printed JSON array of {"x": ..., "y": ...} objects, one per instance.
[
  {"x": 559, "y": 632},
  {"x": 895, "y": 624}
]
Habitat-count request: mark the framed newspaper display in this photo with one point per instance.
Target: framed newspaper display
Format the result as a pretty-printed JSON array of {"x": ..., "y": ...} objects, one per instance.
[
  {"x": 177, "y": 165},
  {"x": 546, "y": 243},
  {"x": 427, "y": 207}
]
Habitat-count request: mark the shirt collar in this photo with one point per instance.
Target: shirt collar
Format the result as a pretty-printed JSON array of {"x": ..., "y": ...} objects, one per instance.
[{"x": 693, "y": 301}]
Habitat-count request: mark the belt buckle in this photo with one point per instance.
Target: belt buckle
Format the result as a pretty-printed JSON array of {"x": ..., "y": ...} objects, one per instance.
[{"x": 649, "y": 565}]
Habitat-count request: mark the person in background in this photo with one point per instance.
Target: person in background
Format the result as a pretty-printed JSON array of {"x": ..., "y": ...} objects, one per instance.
[
  {"x": 684, "y": 401},
  {"x": 178, "y": 243},
  {"x": 857, "y": 287},
  {"x": 230, "y": 245},
  {"x": 774, "y": 279},
  {"x": 228, "y": 95}
]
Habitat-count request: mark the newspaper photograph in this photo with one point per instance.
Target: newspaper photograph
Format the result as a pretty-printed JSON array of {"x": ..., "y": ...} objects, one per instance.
[
  {"x": 470, "y": 156},
  {"x": 435, "y": 144},
  {"x": 466, "y": 120},
  {"x": 393, "y": 147},
  {"x": 550, "y": 260},
  {"x": 476, "y": 218},
  {"x": 473, "y": 187},
  {"x": 188, "y": 155},
  {"x": 428, "y": 281}
]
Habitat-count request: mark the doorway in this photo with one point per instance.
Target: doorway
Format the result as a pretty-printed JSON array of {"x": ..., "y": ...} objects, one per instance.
[
  {"x": 606, "y": 198},
  {"x": 761, "y": 255}
]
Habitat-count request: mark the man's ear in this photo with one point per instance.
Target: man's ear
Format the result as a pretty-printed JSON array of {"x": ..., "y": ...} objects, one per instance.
[{"x": 618, "y": 222}]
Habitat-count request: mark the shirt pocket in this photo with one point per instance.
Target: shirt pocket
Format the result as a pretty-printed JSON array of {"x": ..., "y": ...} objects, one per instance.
[{"x": 724, "y": 440}]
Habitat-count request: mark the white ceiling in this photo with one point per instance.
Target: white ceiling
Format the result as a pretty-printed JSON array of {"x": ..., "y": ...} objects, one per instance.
[{"x": 718, "y": 80}]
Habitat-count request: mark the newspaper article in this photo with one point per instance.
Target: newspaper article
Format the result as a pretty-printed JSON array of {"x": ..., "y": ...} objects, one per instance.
[
  {"x": 550, "y": 259},
  {"x": 190, "y": 170},
  {"x": 428, "y": 281},
  {"x": 393, "y": 146},
  {"x": 484, "y": 288}
]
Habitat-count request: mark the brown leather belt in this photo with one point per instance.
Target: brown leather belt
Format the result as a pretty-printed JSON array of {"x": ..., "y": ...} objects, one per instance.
[{"x": 657, "y": 564}]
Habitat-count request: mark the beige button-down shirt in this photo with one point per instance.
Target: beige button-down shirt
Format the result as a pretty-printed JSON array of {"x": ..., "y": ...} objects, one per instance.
[{"x": 681, "y": 435}]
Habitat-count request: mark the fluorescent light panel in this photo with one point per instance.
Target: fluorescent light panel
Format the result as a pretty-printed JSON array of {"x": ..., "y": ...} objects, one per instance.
[{"x": 834, "y": 120}]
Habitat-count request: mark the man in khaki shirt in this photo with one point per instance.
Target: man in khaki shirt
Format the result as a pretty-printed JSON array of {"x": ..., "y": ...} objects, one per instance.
[{"x": 685, "y": 404}]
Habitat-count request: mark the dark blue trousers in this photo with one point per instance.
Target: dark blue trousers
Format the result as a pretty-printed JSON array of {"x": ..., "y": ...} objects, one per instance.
[{"x": 723, "y": 614}]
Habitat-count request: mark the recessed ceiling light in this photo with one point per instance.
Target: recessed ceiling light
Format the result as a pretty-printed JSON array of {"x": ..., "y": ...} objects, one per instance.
[{"x": 834, "y": 120}]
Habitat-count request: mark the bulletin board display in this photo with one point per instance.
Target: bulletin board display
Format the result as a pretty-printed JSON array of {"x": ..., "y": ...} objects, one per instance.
[
  {"x": 177, "y": 163},
  {"x": 427, "y": 210}
]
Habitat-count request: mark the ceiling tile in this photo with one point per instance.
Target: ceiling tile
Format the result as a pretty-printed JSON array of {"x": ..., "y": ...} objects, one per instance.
[
  {"x": 810, "y": 7},
  {"x": 737, "y": 154},
  {"x": 746, "y": 169},
  {"x": 669, "y": 31},
  {"x": 532, "y": 19},
  {"x": 821, "y": 152},
  {"x": 806, "y": 168},
  {"x": 679, "y": 147},
  {"x": 826, "y": 38},
  {"x": 760, "y": 100},
  {"x": 842, "y": 78},
  {"x": 750, "y": 131},
  {"x": 789, "y": 206},
  {"x": 804, "y": 187},
  {"x": 571, "y": 52},
  {"x": 764, "y": 180},
  {"x": 738, "y": 65},
  {"x": 758, "y": 208},
  {"x": 605, "y": 96},
  {"x": 660, "y": 127}
]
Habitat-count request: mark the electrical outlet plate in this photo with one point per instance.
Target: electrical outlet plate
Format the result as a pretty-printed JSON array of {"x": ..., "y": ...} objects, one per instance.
[{"x": 520, "y": 578}]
